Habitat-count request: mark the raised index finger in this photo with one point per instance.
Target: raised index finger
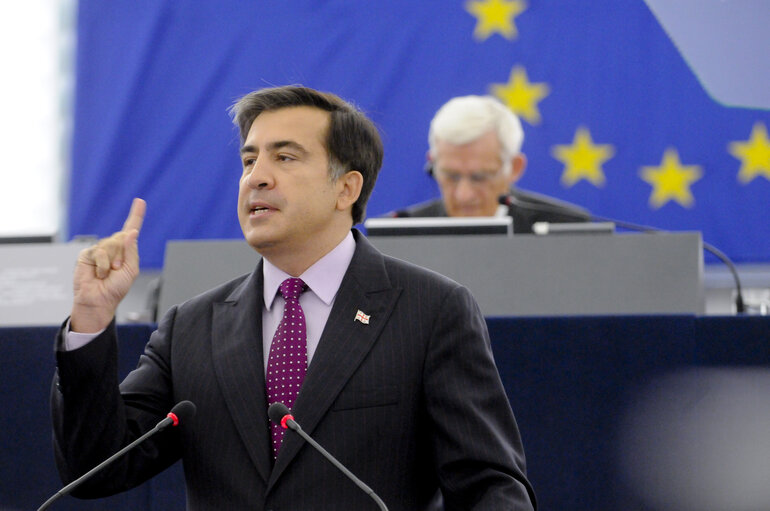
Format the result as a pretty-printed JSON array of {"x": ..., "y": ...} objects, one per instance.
[{"x": 135, "y": 216}]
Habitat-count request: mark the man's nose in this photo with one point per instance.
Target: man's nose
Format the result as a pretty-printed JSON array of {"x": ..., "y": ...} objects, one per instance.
[
  {"x": 261, "y": 175},
  {"x": 464, "y": 191}
]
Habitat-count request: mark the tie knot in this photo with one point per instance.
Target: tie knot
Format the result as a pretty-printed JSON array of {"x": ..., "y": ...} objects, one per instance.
[{"x": 292, "y": 287}]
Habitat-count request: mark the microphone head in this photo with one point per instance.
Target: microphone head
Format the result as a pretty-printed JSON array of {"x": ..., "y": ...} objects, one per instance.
[
  {"x": 183, "y": 411},
  {"x": 277, "y": 411}
]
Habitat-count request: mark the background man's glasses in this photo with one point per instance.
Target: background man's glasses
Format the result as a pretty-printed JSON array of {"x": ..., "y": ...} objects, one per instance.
[{"x": 480, "y": 178}]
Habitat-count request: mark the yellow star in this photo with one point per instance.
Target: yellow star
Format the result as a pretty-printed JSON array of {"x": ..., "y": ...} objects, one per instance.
[
  {"x": 521, "y": 96},
  {"x": 671, "y": 180},
  {"x": 583, "y": 159},
  {"x": 754, "y": 154},
  {"x": 495, "y": 16}
]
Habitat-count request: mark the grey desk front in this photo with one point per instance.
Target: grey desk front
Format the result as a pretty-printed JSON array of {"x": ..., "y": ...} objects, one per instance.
[
  {"x": 36, "y": 282},
  {"x": 567, "y": 274},
  {"x": 524, "y": 275}
]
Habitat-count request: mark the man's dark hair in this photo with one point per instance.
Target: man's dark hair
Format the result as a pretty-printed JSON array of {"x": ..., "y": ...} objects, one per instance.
[{"x": 352, "y": 141}]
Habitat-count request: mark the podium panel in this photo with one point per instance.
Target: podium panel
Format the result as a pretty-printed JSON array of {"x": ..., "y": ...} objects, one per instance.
[{"x": 523, "y": 275}]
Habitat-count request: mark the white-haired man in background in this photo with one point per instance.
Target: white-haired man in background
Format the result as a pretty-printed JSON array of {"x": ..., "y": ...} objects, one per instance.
[{"x": 475, "y": 156}]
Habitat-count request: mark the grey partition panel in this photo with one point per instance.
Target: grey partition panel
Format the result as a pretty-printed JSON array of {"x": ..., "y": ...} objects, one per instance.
[
  {"x": 567, "y": 274},
  {"x": 192, "y": 267},
  {"x": 523, "y": 275},
  {"x": 36, "y": 283}
]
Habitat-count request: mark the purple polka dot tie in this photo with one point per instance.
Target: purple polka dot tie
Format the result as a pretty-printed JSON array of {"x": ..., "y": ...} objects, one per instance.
[{"x": 287, "y": 362}]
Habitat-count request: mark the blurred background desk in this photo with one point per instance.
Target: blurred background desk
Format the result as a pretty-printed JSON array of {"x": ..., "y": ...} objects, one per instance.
[
  {"x": 571, "y": 381},
  {"x": 557, "y": 275}
]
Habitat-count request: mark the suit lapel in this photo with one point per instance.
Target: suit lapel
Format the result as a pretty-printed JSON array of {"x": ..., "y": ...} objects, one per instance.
[
  {"x": 238, "y": 362},
  {"x": 344, "y": 343}
]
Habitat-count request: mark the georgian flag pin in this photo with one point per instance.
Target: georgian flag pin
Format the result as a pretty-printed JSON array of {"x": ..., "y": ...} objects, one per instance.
[{"x": 363, "y": 318}]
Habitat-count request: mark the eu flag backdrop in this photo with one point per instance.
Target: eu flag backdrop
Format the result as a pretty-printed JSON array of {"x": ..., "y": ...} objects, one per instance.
[{"x": 640, "y": 111}]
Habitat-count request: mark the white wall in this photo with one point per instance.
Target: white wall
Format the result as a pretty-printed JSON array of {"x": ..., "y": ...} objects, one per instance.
[{"x": 36, "y": 48}]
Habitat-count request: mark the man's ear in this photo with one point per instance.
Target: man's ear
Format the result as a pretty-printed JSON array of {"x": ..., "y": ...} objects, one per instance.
[
  {"x": 349, "y": 189},
  {"x": 518, "y": 164},
  {"x": 428, "y": 164}
]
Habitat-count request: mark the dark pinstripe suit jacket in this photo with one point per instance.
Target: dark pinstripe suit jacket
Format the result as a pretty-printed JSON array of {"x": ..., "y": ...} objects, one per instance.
[{"x": 412, "y": 402}]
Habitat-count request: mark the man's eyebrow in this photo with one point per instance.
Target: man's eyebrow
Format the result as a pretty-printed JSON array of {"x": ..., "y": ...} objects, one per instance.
[
  {"x": 248, "y": 149},
  {"x": 278, "y": 144},
  {"x": 290, "y": 144}
]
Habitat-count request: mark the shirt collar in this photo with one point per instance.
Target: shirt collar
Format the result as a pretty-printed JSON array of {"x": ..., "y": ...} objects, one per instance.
[{"x": 323, "y": 278}]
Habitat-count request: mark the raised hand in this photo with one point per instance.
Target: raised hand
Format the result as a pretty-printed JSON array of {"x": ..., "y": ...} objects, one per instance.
[{"x": 104, "y": 274}]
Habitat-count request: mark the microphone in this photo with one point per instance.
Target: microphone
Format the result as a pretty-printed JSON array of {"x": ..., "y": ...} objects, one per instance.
[
  {"x": 181, "y": 412},
  {"x": 280, "y": 414},
  {"x": 542, "y": 207}
]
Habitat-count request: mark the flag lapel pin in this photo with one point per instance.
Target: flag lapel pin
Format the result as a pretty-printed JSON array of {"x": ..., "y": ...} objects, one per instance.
[{"x": 363, "y": 318}]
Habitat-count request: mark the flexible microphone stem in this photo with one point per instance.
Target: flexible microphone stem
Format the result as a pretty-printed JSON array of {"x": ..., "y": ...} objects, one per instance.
[
  {"x": 181, "y": 412},
  {"x": 740, "y": 307},
  {"x": 510, "y": 200},
  {"x": 296, "y": 427},
  {"x": 279, "y": 413},
  {"x": 77, "y": 482}
]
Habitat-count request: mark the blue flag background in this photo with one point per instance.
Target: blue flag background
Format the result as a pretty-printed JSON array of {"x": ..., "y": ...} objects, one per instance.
[{"x": 618, "y": 117}]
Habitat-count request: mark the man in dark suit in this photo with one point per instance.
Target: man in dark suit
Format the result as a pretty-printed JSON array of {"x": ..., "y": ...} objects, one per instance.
[
  {"x": 396, "y": 376},
  {"x": 475, "y": 156}
]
